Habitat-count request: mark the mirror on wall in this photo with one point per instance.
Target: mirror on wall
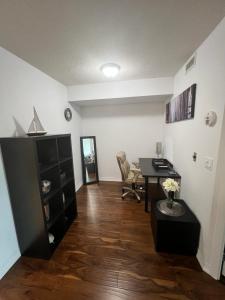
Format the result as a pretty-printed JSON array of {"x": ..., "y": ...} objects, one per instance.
[{"x": 89, "y": 159}]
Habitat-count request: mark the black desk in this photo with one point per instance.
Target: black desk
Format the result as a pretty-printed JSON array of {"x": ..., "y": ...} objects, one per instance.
[{"x": 148, "y": 171}]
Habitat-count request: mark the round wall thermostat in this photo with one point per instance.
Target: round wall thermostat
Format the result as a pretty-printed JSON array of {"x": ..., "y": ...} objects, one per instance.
[
  {"x": 211, "y": 118},
  {"x": 68, "y": 114}
]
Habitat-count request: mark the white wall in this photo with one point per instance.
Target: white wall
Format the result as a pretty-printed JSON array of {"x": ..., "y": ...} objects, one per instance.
[
  {"x": 121, "y": 89},
  {"x": 134, "y": 128},
  {"x": 184, "y": 138},
  {"x": 9, "y": 249},
  {"x": 217, "y": 220},
  {"x": 21, "y": 87}
]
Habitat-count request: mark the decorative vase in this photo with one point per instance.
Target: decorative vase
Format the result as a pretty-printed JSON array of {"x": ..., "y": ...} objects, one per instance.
[
  {"x": 171, "y": 207},
  {"x": 170, "y": 199}
]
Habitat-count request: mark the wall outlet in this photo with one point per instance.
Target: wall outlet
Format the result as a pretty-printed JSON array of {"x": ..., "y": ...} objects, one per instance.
[{"x": 209, "y": 163}]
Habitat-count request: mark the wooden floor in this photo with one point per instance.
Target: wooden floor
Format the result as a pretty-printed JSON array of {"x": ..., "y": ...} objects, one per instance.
[{"x": 108, "y": 254}]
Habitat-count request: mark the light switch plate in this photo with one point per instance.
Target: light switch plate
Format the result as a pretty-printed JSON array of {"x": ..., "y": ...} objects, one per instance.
[{"x": 209, "y": 163}]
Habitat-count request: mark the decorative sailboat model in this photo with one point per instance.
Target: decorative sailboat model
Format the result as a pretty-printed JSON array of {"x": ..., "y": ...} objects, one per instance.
[{"x": 36, "y": 127}]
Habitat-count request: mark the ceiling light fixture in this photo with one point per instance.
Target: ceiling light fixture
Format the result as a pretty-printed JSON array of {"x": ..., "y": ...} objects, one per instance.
[{"x": 110, "y": 70}]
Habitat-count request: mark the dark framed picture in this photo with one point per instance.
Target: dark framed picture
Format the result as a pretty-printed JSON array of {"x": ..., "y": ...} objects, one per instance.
[
  {"x": 182, "y": 107},
  {"x": 68, "y": 114}
]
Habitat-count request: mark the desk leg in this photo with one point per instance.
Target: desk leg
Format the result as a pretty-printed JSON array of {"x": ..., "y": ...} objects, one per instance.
[{"x": 146, "y": 194}]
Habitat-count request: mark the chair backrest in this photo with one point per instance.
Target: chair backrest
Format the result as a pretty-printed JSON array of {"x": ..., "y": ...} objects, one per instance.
[{"x": 123, "y": 164}]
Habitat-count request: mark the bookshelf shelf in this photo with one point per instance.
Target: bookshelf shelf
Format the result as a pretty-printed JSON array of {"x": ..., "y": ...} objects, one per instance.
[{"x": 40, "y": 215}]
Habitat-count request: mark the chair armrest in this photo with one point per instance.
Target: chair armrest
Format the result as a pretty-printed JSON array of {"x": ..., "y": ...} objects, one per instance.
[
  {"x": 136, "y": 173},
  {"x": 135, "y": 170},
  {"x": 136, "y": 164}
]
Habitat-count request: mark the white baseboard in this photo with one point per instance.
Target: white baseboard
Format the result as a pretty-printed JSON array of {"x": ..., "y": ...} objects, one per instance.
[
  {"x": 110, "y": 179},
  {"x": 208, "y": 272},
  {"x": 79, "y": 185},
  {"x": 9, "y": 263},
  {"x": 201, "y": 261},
  {"x": 204, "y": 267}
]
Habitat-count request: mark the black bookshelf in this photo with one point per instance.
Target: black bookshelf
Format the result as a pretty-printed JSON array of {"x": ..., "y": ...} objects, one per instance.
[{"x": 39, "y": 215}]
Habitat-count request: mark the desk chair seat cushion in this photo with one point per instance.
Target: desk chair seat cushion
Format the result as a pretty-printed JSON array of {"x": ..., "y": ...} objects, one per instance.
[{"x": 134, "y": 177}]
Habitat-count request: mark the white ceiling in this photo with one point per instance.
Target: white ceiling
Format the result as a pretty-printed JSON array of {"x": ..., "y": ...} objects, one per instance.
[{"x": 71, "y": 39}]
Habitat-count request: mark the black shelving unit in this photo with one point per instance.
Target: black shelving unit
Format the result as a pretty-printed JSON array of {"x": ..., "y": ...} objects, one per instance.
[
  {"x": 40, "y": 216},
  {"x": 222, "y": 272}
]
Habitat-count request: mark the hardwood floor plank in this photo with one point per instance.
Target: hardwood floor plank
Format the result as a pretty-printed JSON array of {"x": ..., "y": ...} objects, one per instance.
[{"x": 108, "y": 254}]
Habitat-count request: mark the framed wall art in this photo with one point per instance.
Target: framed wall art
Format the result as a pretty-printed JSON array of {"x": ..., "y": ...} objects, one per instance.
[{"x": 182, "y": 107}]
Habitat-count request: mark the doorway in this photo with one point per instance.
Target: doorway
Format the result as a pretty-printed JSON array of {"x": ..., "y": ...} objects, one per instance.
[{"x": 89, "y": 159}]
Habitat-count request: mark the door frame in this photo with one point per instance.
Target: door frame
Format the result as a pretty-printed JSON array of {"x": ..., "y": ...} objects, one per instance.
[{"x": 216, "y": 234}]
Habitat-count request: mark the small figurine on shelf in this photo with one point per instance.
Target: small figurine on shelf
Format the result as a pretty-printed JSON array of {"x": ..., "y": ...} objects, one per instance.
[
  {"x": 36, "y": 127},
  {"x": 47, "y": 212},
  {"x": 51, "y": 238},
  {"x": 45, "y": 186},
  {"x": 64, "y": 199}
]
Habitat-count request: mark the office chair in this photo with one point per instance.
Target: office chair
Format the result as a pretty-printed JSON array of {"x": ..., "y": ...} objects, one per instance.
[{"x": 131, "y": 177}]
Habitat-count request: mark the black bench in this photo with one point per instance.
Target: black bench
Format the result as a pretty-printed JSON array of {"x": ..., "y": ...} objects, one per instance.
[{"x": 179, "y": 235}]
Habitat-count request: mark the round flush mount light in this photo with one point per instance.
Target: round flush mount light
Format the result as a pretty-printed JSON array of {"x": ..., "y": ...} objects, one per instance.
[{"x": 110, "y": 70}]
